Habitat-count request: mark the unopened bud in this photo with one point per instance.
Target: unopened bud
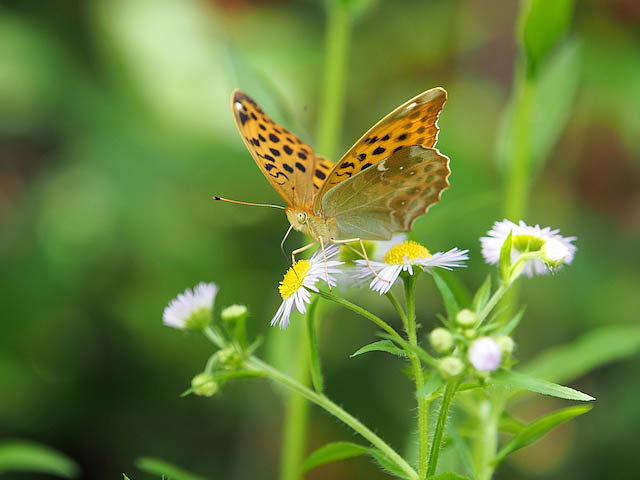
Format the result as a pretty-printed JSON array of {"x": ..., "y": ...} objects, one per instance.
[
  {"x": 450, "y": 367},
  {"x": 506, "y": 345},
  {"x": 234, "y": 313},
  {"x": 485, "y": 354},
  {"x": 470, "y": 333},
  {"x": 441, "y": 340},
  {"x": 204, "y": 385},
  {"x": 466, "y": 318}
]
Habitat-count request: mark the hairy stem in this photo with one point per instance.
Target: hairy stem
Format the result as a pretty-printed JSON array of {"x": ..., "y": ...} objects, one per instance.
[
  {"x": 438, "y": 435},
  {"x": 323, "y": 401}
]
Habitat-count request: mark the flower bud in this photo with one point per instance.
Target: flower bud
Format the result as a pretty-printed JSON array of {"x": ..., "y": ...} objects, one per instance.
[
  {"x": 234, "y": 313},
  {"x": 204, "y": 385},
  {"x": 485, "y": 354},
  {"x": 450, "y": 367},
  {"x": 506, "y": 345},
  {"x": 470, "y": 333},
  {"x": 441, "y": 340},
  {"x": 466, "y": 318}
]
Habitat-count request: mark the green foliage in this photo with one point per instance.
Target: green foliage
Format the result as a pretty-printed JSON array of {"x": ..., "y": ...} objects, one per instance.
[
  {"x": 25, "y": 456},
  {"x": 505, "y": 258},
  {"x": 433, "y": 384},
  {"x": 165, "y": 469},
  {"x": 333, "y": 452},
  {"x": 541, "y": 24},
  {"x": 525, "y": 382},
  {"x": 316, "y": 365},
  {"x": 510, "y": 326},
  {"x": 450, "y": 303},
  {"x": 592, "y": 350},
  {"x": 380, "y": 346},
  {"x": 448, "y": 476},
  {"x": 482, "y": 295},
  {"x": 535, "y": 430}
]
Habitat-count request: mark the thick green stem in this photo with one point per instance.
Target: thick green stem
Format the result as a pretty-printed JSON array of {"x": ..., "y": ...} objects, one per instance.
[
  {"x": 396, "y": 304},
  {"x": 485, "y": 444},
  {"x": 333, "y": 95},
  {"x": 361, "y": 311},
  {"x": 438, "y": 435},
  {"x": 321, "y": 400},
  {"x": 295, "y": 416},
  {"x": 423, "y": 402}
]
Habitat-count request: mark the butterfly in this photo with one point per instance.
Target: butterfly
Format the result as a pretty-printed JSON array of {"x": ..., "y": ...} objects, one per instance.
[{"x": 385, "y": 181}]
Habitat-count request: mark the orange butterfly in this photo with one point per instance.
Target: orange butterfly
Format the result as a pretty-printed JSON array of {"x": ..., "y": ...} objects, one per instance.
[{"x": 388, "y": 179}]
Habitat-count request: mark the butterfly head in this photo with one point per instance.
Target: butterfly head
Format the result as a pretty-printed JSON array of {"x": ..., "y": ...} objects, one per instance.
[
  {"x": 299, "y": 219},
  {"x": 313, "y": 225}
]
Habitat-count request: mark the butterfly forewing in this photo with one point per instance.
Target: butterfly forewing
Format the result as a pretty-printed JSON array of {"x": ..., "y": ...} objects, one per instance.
[
  {"x": 289, "y": 164},
  {"x": 389, "y": 196},
  {"x": 412, "y": 123}
]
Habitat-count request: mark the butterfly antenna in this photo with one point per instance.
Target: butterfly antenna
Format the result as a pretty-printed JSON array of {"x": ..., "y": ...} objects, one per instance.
[
  {"x": 248, "y": 203},
  {"x": 284, "y": 240}
]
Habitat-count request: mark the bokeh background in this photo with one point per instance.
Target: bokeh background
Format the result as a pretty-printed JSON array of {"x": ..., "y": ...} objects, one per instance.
[{"x": 115, "y": 130}]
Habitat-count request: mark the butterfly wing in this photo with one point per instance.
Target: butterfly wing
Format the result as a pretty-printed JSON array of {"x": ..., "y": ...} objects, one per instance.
[
  {"x": 289, "y": 164},
  {"x": 412, "y": 123},
  {"x": 389, "y": 197}
]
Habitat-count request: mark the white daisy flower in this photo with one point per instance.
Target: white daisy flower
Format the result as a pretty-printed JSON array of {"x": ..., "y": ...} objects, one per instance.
[
  {"x": 485, "y": 354},
  {"x": 401, "y": 258},
  {"x": 191, "y": 309},
  {"x": 555, "y": 250},
  {"x": 303, "y": 275}
]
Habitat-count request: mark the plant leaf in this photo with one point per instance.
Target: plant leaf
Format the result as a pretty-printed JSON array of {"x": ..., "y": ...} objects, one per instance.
[
  {"x": 26, "y": 456},
  {"x": 482, "y": 295},
  {"x": 592, "y": 350},
  {"x": 385, "y": 463},
  {"x": 433, "y": 384},
  {"x": 450, "y": 303},
  {"x": 380, "y": 346},
  {"x": 505, "y": 258},
  {"x": 511, "y": 324},
  {"x": 525, "y": 382},
  {"x": 422, "y": 354},
  {"x": 333, "y": 452},
  {"x": 538, "y": 428},
  {"x": 156, "y": 466},
  {"x": 509, "y": 424},
  {"x": 124, "y": 477},
  {"x": 448, "y": 476}
]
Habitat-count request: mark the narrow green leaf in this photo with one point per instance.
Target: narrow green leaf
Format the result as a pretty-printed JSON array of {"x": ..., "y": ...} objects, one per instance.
[
  {"x": 315, "y": 364},
  {"x": 511, "y": 324},
  {"x": 433, "y": 384},
  {"x": 386, "y": 463},
  {"x": 450, "y": 303},
  {"x": 541, "y": 26},
  {"x": 156, "y": 466},
  {"x": 381, "y": 346},
  {"x": 460, "y": 291},
  {"x": 124, "y": 476},
  {"x": 482, "y": 295},
  {"x": 333, "y": 452},
  {"x": 539, "y": 428},
  {"x": 26, "y": 456},
  {"x": 421, "y": 354},
  {"x": 525, "y": 382},
  {"x": 462, "y": 449},
  {"x": 505, "y": 258},
  {"x": 509, "y": 424},
  {"x": 448, "y": 476},
  {"x": 594, "y": 349}
]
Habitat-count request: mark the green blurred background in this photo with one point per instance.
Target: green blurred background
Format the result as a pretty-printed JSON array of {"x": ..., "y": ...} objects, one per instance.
[{"x": 115, "y": 130}]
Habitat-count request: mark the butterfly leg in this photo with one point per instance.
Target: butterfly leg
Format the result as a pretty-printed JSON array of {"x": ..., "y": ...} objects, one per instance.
[
  {"x": 300, "y": 250},
  {"x": 363, "y": 253}
]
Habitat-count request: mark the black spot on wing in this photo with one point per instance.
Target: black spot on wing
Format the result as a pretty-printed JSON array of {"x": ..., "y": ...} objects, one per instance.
[
  {"x": 321, "y": 175},
  {"x": 243, "y": 117},
  {"x": 287, "y": 167},
  {"x": 379, "y": 150}
]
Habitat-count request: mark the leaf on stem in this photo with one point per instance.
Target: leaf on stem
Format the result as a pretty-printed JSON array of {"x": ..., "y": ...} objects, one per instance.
[
  {"x": 511, "y": 324},
  {"x": 482, "y": 295},
  {"x": 25, "y": 456},
  {"x": 419, "y": 352},
  {"x": 380, "y": 346},
  {"x": 448, "y": 476},
  {"x": 535, "y": 430},
  {"x": 505, "y": 258},
  {"x": 431, "y": 385},
  {"x": 594, "y": 349},
  {"x": 156, "y": 466},
  {"x": 449, "y": 299},
  {"x": 333, "y": 452},
  {"x": 386, "y": 463},
  {"x": 525, "y": 382}
]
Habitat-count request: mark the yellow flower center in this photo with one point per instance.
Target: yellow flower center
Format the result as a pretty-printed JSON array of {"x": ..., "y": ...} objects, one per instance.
[
  {"x": 292, "y": 280},
  {"x": 412, "y": 250},
  {"x": 527, "y": 243}
]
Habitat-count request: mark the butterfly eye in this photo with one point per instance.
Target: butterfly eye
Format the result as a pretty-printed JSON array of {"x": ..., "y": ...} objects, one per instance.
[{"x": 301, "y": 217}]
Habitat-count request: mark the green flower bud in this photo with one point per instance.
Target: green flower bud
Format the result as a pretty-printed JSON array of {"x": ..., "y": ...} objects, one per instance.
[
  {"x": 204, "y": 385},
  {"x": 466, "y": 318},
  {"x": 470, "y": 333},
  {"x": 450, "y": 367},
  {"x": 234, "y": 313},
  {"x": 506, "y": 345},
  {"x": 441, "y": 340}
]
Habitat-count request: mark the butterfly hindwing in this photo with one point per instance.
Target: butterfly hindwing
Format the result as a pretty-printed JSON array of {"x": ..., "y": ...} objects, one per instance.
[
  {"x": 289, "y": 164},
  {"x": 390, "y": 196},
  {"x": 412, "y": 123}
]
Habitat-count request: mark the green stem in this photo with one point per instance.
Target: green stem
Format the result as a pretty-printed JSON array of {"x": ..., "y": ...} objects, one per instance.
[
  {"x": 361, "y": 311},
  {"x": 423, "y": 402},
  {"x": 449, "y": 393},
  {"x": 396, "y": 304},
  {"x": 486, "y": 443},
  {"x": 295, "y": 415},
  {"x": 212, "y": 335},
  {"x": 316, "y": 365},
  {"x": 336, "y": 59},
  {"x": 321, "y": 400}
]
